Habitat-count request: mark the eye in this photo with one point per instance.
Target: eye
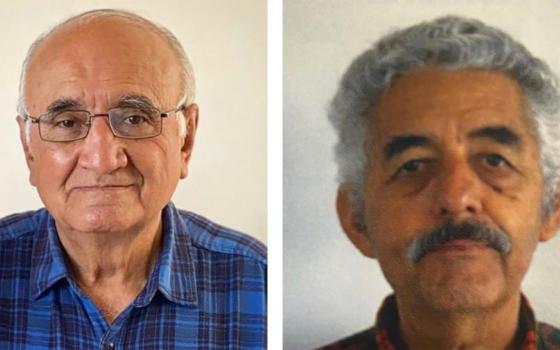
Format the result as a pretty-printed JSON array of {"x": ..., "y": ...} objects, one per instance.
[
  {"x": 497, "y": 171},
  {"x": 411, "y": 166},
  {"x": 135, "y": 120},
  {"x": 66, "y": 120},
  {"x": 67, "y": 123},
  {"x": 414, "y": 173},
  {"x": 495, "y": 160}
]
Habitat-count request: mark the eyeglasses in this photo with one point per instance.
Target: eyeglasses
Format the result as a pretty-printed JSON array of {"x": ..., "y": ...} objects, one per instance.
[{"x": 125, "y": 122}]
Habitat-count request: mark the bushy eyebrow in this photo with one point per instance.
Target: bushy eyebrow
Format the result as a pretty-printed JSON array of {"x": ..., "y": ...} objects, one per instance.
[
  {"x": 62, "y": 104},
  {"x": 499, "y": 133},
  {"x": 401, "y": 143},
  {"x": 135, "y": 101}
]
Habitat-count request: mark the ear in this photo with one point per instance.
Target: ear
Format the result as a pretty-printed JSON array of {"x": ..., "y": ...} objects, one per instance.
[
  {"x": 552, "y": 222},
  {"x": 347, "y": 215},
  {"x": 29, "y": 159},
  {"x": 191, "y": 116}
]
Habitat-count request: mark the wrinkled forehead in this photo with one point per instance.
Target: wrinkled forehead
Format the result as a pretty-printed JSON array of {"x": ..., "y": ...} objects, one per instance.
[
  {"x": 425, "y": 96},
  {"x": 113, "y": 55},
  {"x": 450, "y": 107}
]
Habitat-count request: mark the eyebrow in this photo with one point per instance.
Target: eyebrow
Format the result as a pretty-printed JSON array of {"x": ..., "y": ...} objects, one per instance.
[
  {"x": 500, "y": 134},
  {"x": 401, "y": 143},
  {"x": 135, "y": 101},
  {"x": 127, "y": 100},
  {"x": 61, "y": 104}
]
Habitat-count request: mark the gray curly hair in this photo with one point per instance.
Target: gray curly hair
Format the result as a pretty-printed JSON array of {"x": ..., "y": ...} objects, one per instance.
[
  {"x": 452, "y": 43},
  {"x": 187, "y": 75}
]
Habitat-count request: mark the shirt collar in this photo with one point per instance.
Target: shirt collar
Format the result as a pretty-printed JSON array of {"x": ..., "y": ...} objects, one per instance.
[
  {"x": 173, "y": 275},
  {"x": 388, "y": 337},
  {"x": 48, "y": 264}
]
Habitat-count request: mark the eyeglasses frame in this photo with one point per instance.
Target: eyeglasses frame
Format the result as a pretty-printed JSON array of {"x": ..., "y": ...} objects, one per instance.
[{"x": 36, "y": 120}]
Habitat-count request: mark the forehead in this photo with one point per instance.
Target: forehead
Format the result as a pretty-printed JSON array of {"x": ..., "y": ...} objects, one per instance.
[
  {"x": 435, "y": 100},
  {"x": 105, "y": 56}
]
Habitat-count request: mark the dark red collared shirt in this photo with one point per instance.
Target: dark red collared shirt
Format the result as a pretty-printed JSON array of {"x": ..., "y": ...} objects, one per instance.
[{"x": 385, "y": 335}]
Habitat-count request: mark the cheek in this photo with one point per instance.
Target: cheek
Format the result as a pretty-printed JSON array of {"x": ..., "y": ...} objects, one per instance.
[
  {"x": 518, "y": 220},
  {"x": 391, "y": 230},
  {"x": 390, "y": 227},
  {"x": 523, "y": 247},
  {"x": 157, "y": 165},
  {"x": 519, "y": 214},
  {"x": 52, "y": 166}
]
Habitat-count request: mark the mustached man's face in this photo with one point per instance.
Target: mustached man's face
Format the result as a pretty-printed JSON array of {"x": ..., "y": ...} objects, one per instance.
[{"x": 451, "y": 146}]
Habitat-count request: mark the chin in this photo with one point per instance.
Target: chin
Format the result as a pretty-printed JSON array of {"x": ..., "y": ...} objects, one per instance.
[
  {"x": 464, "y": 291},
  {"x": 101, "y": 220},
  {"x": 463, "y": 299}
]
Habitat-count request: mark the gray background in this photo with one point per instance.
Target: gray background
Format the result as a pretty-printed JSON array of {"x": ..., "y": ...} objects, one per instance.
[{"x": 330, "y": 290}]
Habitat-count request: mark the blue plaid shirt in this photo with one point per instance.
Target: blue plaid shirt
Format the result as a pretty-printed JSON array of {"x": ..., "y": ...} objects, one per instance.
[{"x": 207, "y": 291}]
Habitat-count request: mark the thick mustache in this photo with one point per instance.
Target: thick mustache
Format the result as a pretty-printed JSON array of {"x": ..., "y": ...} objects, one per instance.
[{"x": 470, "y": 229}]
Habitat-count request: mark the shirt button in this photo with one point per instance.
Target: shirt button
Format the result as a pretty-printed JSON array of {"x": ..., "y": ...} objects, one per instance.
[{"x": 109, "y": 346}]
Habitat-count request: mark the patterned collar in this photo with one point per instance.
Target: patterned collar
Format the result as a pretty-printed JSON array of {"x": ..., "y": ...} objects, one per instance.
[
  {"x": 174, "y": 277},
  {"x": 388, "y": 337},
  {"x": 530, "y": 335}
]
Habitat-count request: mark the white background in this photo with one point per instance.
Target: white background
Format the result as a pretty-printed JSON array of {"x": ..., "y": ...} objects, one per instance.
[
  {"x": 330, "y": 290},
  {"x": 226, "y": 42}
]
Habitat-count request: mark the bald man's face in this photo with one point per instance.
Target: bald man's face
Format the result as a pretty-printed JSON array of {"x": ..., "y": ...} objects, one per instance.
[{"x": 103, "y": 183}]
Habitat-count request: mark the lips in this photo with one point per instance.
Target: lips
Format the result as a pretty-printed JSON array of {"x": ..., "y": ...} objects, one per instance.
[
  {"x": 461, "y": 245},
  {"x": 102, "y": 188}
]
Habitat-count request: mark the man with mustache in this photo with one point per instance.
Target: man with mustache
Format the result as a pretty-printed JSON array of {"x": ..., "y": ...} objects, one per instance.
[
  {"x": 448, "y": 167},
  {"x": 107, "y": 121}
]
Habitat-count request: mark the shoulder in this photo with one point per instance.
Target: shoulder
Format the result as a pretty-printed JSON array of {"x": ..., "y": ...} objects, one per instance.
[
  {"x": 208, "y": 235},
  {"x": 19, "y": 226},
  {"x": 362, "y": 340},
  {"x": 17, "y": 237},
  {"x": 548, "y": 336}
]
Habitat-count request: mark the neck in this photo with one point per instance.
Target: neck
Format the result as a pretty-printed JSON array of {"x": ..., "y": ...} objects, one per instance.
[
  {"x": 424, "y": 328},
  {"x": 112, "y": 267},
  {"x": 126, "y": 257}
]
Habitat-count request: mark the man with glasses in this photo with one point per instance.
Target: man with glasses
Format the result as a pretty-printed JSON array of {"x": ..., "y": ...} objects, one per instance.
[{"x": 107, "y": 123}]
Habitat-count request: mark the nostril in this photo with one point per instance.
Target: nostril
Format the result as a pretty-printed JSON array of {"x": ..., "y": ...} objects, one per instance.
[{"x": 447, "y": 210}]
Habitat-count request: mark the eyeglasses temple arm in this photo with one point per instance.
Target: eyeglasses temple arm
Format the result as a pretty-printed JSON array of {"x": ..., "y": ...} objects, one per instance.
[
  {"x": 179, "y": 109},
  {"x": 27, "y": 117}
]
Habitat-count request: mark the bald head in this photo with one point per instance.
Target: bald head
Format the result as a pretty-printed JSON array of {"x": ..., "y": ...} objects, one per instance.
[{"x": 92, "y": 43}]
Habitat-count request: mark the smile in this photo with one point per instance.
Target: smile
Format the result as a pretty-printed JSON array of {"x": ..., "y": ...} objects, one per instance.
[{"x": 106, "y": 188}]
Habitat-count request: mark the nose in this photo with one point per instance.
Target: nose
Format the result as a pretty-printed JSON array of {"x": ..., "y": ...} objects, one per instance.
[
  {"x": 101, "y": 151},
  {"x": 458, "y": 191}
]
